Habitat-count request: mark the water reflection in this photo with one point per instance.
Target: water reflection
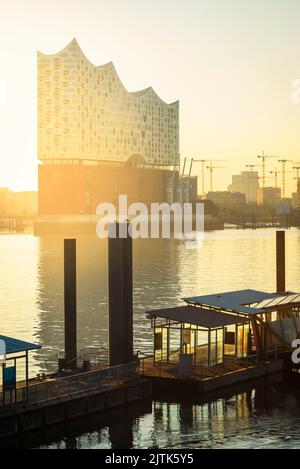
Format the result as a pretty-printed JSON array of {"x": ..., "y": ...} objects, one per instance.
[
  {"x": 156, "y": 261},
  {"x": 31, "y": 282},
  {"x": 266, "y": 415},
  {"x": 31, "y": 302}
]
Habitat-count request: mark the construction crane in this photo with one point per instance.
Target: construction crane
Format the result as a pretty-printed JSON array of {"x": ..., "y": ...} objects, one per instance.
[
  {"x": 187, "y": 184},
  {"x": 267, "y": 177},
  {"x": 170, "y": 188},
  {"x": 264, "y": 159},
  {"x": 183, "y": 169},
  {"x": 203, "y": 167},
  {"x": 181, "y": 184},
  {"x": 252, "y": 166},
  {"x": 275, "y": 172},
  {"x": 283, "y": 162},
  {"x": 211, "y": 169},
  {"x": 297, "y": 169}
]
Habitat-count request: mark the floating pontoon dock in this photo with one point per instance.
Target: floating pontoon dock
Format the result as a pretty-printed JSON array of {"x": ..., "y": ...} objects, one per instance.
[
  {"x": 217, "y": 340},
  {"x": 52, "y": 400}
]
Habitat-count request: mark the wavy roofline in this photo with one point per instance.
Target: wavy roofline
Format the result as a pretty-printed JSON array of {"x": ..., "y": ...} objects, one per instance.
[{"x": 137, "y": 94}]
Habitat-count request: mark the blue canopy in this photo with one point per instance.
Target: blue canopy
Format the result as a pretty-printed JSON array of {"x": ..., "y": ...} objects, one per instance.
[{"x": 17, "y": 346}]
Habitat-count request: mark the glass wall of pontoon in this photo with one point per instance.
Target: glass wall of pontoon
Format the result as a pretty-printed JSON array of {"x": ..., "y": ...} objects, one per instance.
[
  {"x": 216, "y": 346},
  {"x": 161, "y": 347},
  {"x": 237, "y": 341},
  {"x": 171, "y": 339},
  {"x": 206, "y": 345},
  {"x": 243, "y": 341}
]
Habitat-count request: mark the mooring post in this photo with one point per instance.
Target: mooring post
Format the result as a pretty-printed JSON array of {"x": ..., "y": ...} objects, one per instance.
[
  {"x": 280, "y": 261},
  {"x": 120, "y": 296},
  {"x": 70, "y": 303}
]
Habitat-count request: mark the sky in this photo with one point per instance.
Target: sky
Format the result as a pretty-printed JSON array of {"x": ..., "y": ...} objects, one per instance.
[{"x": 230, "y": 63}]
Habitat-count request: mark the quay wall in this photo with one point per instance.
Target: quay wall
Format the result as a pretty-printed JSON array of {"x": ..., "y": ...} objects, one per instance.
[{"x": 61, "y": 410}]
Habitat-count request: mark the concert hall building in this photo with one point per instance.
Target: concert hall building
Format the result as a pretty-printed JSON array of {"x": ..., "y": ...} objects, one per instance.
[{"x": 96, "y": 140}]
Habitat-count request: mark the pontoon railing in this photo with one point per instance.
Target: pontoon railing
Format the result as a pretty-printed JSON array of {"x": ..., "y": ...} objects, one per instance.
[{"x": 71, "y": 385}]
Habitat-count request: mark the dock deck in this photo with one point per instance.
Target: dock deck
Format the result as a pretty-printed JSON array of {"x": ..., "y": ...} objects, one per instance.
[{"x": 206, "y": 379}]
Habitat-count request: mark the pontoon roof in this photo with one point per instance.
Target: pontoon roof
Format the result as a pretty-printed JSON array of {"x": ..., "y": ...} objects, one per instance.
[
  {"x": 291, "y": 299},
  {"x": 240, "y": 301},
  {"x": 198, "y": 316},
  {"x": 15, "y": 345}
]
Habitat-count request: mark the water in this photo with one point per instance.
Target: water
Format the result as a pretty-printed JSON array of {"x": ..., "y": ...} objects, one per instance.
[
  {"x": 266, "y": 417},
  {"x": 31, "y": 302}
]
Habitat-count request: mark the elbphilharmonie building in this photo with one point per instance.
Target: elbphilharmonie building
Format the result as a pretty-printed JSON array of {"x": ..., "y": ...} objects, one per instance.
[
  {"x": 97, "y": 140},
  {"x": 86, "y": 113}
]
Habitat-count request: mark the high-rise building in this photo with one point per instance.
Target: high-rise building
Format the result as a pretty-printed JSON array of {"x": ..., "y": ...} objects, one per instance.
[
  {"x": 268, "y": 196},
  {"x": 247, "y": 183},
  {"x": 96, "y": 140}
]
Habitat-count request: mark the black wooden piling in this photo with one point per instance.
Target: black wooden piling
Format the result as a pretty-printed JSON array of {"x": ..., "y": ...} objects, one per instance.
[
  {"x": 70, "y": 303},
  {"x": 120, "y": 298},
  {"x": 280, "y": 261}
]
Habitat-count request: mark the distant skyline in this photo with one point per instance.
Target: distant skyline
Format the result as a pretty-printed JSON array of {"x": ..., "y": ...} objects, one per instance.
[{"x": 230, "y": 63}]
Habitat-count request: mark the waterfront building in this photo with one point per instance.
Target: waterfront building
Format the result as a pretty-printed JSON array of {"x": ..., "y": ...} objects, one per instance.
[
  {"x": 247, "y": 183},
  {"x": 225, "y": 200},
  {"x": 213, "y": 329},
  {"x": 268, "y": 196},
  {"x": 96, "y": 140},
  {"x": 283, "y": 206}
]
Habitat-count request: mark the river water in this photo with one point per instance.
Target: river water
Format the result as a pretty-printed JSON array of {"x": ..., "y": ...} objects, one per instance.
[{"x": 31, "y": 305}]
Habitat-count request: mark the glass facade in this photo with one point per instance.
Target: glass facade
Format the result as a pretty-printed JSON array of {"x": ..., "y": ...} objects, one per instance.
[
  {"x": 242, "y": 341},
  {"x": 207, "y": 346},
  {"x": 85, "y": 112},
  {"x": 161, "y": 352}
]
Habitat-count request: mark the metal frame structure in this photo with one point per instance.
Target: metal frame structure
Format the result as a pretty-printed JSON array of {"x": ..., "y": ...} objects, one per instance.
[
  {"x": 204, "y": 339},
  {"x": 263, "y": 311},
  {"x": 272, "y": 322}
]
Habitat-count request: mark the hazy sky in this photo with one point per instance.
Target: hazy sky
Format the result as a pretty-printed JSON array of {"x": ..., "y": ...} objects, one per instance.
[{"x": 229, "y": 62}]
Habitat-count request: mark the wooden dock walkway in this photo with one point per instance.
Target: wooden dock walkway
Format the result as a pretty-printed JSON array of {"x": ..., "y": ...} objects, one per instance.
[{"x": 206, "y": 379}]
